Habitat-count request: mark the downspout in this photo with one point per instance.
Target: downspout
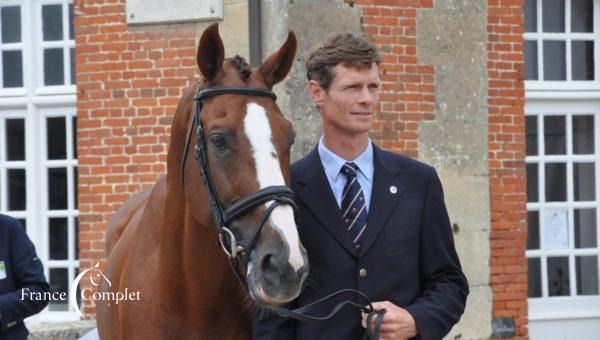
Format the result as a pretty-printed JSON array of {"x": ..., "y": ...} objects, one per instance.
[{"x": 254, "y": 22}]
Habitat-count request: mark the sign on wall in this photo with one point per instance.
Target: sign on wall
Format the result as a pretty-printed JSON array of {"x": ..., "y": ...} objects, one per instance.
[{"x": 156, "y": 11}]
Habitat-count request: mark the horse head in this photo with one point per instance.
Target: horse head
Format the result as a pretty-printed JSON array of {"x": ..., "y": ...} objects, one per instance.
[{"x": 247, "y": 142}]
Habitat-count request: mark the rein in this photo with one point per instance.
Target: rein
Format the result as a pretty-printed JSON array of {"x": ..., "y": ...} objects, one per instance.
[{"x": 239, "y": 253}]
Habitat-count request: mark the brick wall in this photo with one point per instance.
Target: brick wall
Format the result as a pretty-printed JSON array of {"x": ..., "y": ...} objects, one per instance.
[
  {"x": 407, "y": 89},
  {"x": 508, "y": 238},
  {"x": 129, "y": 81}
]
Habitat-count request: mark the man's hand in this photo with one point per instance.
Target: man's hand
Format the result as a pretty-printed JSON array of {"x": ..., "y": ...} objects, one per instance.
[{"x": 397, "y": 323}]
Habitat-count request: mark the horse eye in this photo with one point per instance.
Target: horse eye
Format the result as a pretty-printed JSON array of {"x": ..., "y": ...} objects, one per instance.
[{"x": 218, "y": 140}]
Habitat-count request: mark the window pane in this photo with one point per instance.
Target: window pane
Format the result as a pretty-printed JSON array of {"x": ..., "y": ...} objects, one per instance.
[
  {"x": 57, "y": 188},
  {"x": 553, "y": 15},
  {"x": 582, "y": 16},
  {"x": 15, "y": 139},
  {"x": 556, "y": 182},
  {"x": 532, "y": 182},
  {"x": 584, "y": 181},
  {"x": 12, "y": 69},
  {"x": 583, "y": 135},
  {"x": 54, "y": 63},
  {"x": 554, "y": 135},
  {"x": 558, "y": 276},
  {"x": 59, "y": 278},
  {"x": 533, "y": 230},
  {"x": 74, "y": 126},
  {"x": 554, "y": 60},
  {"x": 531, "y": 60},
  {"x": 52, "y": 22},
  {"x": 17, "y": 196},
  {"x": 585, "y": 228},
  {"x": 11, "y": 24},
  {"x": 73, "y": 75},
  {"x": 586, "y": 268},
  {"x": 531, "y": 133},
  {"x": 59, "y": 238},
  {"x": 534, "y": 278},
  {"x": 583, "y": 60},
  {"x": 71, "y": 30},
  {"x": 56, "y": 140},
  {"x": 530, "y": 15}
]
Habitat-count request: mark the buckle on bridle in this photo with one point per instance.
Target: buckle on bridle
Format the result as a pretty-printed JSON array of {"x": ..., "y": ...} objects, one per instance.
[{"x": 235, "y": 248}]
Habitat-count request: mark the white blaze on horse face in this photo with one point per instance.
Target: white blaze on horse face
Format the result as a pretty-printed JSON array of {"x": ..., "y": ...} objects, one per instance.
[{"x": 268, "y": 171}]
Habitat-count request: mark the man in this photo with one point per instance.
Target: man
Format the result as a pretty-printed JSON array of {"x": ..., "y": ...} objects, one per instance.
[
  {"x": 20, "y": 271},
  {"x": 371, "y": 220}
]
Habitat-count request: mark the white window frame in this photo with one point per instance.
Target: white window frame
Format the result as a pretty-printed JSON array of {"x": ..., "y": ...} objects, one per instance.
[
  {"x": 567, "y": 36},
  {"x": 573, "y": 306},
  {"x": 65, "y": 44},
  {"x": 35, "y": 102},
  {"x": 18, "y": 113},
  {"x": 16, "y": 91}
]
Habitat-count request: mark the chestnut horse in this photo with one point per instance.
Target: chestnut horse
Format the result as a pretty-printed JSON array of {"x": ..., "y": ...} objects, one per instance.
[{"x": 163, "y": 242}]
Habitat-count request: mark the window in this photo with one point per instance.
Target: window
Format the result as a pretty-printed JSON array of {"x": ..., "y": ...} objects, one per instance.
[
  {"x": 562, "y": 118},
  {"x": 59, "y": 178},
  {"x": 38, "y": 155},
  {"x": 561, "y": 43},
  {"x": 57, "y": 44},
  {"x": 11, "y": 47},
  {"x": 563, "y": 163},
  {"x": 56, "y": 47},
  {"x": 13, "y": 185}
]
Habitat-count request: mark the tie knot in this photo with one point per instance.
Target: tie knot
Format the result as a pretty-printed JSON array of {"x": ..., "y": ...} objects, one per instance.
[{"x": 349, "y": 169}]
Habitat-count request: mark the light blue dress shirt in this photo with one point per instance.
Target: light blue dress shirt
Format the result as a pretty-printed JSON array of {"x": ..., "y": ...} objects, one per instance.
[{"x": 333, "y": 164}]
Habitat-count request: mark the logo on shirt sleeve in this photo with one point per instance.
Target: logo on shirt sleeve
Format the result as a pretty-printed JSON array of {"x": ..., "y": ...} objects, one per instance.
[{"x": 2, "y": 270}]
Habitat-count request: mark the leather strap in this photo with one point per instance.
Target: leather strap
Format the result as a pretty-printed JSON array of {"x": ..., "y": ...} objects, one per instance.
[{"x": 300, "y": 313}]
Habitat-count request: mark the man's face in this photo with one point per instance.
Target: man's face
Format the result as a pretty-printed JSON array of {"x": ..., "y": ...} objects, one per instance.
[{"x": 347, "y": 108}]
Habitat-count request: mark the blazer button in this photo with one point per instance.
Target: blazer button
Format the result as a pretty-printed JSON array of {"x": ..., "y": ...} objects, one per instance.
[{"x": 362, "y": 272}]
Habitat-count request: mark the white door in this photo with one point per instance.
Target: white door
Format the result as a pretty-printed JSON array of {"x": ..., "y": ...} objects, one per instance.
[
  {"x": 38, "y": 158},
  {"x": 562, "y": 154}
]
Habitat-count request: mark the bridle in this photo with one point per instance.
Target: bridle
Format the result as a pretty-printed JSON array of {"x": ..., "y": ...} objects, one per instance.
[{"x": 238, "y": 252}]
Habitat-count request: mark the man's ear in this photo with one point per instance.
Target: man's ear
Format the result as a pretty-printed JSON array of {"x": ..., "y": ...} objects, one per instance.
[{"x": 316, "y": 92}]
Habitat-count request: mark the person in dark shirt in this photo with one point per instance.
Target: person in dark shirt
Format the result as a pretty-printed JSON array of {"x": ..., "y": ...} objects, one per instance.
[{"x": 21, "y": 275}]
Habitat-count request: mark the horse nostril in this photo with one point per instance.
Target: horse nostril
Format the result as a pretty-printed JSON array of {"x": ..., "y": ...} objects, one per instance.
[
  {"x": 271, "y": 270},
  {"x": 268, "y": 265}
]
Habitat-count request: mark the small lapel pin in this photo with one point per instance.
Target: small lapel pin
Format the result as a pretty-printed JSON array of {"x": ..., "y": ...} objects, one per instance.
[{"x": 393, "y": 189}]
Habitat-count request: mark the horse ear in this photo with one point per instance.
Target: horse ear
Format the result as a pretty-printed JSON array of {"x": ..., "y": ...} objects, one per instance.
[
  {"x": 278, "y": 64},
  {"x": 210, "y": 52}
]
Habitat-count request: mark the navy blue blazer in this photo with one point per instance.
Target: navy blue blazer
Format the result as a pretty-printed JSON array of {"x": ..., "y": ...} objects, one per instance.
[
  {"x": 22, "y": 269},
  {"x": 408, "y": 252}
]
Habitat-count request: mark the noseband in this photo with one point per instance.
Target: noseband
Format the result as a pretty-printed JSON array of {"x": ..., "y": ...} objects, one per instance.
[{"x": 237, "y": 252}]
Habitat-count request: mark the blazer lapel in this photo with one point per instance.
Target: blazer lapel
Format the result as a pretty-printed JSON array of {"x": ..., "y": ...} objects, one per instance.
[
  {"x": 315, "y": 192},
  {"x": 384, "y": 197}
]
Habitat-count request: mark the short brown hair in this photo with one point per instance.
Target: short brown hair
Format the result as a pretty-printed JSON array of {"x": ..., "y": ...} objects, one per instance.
[{"x": 346, "y": 48}]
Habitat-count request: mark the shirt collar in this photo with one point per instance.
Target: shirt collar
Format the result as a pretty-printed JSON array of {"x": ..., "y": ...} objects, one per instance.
[{"x": 333, "y": 163}]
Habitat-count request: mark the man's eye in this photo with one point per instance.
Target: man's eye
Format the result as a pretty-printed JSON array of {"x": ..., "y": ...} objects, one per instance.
[{"x": 218, "y": 140}]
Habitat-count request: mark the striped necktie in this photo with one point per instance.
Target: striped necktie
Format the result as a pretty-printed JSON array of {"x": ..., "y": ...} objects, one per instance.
[{"x": 354, "y": 206}]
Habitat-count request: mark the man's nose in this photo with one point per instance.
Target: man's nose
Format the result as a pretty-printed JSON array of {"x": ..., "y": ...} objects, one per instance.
[{"x": 366, "y": 96}]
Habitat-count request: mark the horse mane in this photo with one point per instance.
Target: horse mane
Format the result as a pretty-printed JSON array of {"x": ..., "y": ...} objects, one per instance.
[{"x": 241, "y": 65}]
